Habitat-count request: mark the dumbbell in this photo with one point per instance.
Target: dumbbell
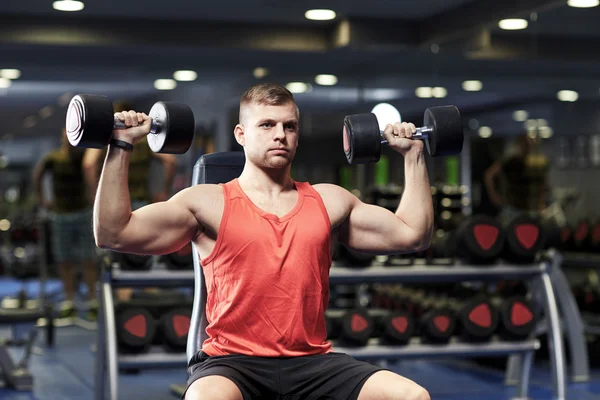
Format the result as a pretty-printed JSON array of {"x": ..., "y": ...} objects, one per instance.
[
  {"x": 443, "y": 134},
  {"x": 90, "y": 122},
  {"x": 525, "y": 237},
  {"x": 480, "y": 239}
]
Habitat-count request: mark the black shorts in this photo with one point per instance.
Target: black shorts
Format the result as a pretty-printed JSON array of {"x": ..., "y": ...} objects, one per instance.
[{"x": 324, "y": 376}]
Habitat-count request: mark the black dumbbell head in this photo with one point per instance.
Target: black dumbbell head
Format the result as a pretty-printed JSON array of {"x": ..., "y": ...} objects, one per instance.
[
  {"x": 447, "y": 136},
  {"x": 90, "y": 121},
  {"x": 362, "y": 139},
  {"x": 176, "y": 128}
]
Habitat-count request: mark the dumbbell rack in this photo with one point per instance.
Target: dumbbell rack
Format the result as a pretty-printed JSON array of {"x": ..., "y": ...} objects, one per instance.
[
  {"x": 540, "y": 272},
  {"x": 108, "y": 359}
]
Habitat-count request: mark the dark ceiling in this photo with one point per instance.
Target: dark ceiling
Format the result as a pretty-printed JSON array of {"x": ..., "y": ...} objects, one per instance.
[{"x": 380, "y": 50}]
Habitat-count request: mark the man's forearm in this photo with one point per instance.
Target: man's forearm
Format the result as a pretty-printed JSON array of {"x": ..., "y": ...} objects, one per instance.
[
  {"x": 112, "y": 208},
  {"x": 416, "y": 205}
]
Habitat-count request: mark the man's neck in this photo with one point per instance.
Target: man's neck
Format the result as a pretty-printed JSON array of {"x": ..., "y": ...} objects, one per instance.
[{"x": 270, "y": 180}]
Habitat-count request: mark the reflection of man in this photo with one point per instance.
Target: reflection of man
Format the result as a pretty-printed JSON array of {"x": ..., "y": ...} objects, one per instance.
[
  {"x": 70, "y": 216},
  {"x": 139, "y": 171},
  {"x": 523, "y": 171}
]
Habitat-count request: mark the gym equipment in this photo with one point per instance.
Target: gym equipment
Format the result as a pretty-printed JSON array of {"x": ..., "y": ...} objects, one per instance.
[
  {"x": 582, "y": 236},
  {"x": 356, "y": 327},
  {"x": 480, "y": 239},
  {"x": 525, "y": 237},
  {"x": 595, "y": 237},
  {"x": 518, "y": 318},
  {"x": 478, "y": 319},
  {"x": 181, "y": 259},
  {"x": 175, "y": 326},
  {"x": 17, "y": 376},
  {"x": 135, "y": 328},
  {"x": 90, "y": 122},
  {"x": 443, "y": 134},
  {"x": 133, "y": 262},
  {"x": 354, "y": 259},
  {"x": 398, "y": 327},
  {"x": 437, "y": 326}
]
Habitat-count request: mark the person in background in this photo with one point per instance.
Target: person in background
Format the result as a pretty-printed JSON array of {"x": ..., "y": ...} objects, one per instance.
[
  {"x": 523, "y": 172},
  {"x": 70, "y": 216},
  {"x": 139, "y": 176}
]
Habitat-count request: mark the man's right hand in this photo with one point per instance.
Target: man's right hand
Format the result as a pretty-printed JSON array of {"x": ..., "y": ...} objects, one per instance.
[{"x": 138, "y": 126}]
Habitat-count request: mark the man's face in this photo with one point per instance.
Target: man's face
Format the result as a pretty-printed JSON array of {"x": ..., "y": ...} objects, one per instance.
[{"x": 269, "y": 134}]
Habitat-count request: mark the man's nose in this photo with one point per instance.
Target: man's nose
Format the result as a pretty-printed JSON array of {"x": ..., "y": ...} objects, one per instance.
[{"x": 279, "y": 132}]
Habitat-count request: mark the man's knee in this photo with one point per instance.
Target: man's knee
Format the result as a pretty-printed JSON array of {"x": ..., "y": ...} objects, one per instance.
[
  {"x": 213, "y": 387},
  {"x": 419, "y": 393}
]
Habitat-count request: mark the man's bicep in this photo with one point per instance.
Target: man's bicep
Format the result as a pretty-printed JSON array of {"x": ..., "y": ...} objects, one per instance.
[{"x": 374, "y": 229}]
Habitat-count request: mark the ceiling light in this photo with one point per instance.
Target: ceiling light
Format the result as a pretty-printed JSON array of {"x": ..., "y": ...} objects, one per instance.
[
  {"x": 68, "y": 5},
  {"x": 5, "y": 83},
  {"x": 520, "y": 115},
  {"x": 546, "y": 132},
  {"x": 439, "y": 92},
  {"x": 567, "y": 95},
  {"x": 485, "y": 132},
  {"x": 10, "y": 73},
  {"x": 472, "y": 86},
  {"x": 320, "y": 15},
  {"x": 165, "y": 84},
  {"x": 424, "y": 92},
  {"x": 4, "y": 225},
  {"x": 326, "y": 80},
  {"x": 260, "y": 72},
  {"x": 298, "y": 87},
  {"x": 583, "y": 3},
  {"x": 30, "y": 122},
  {"x": 513, "y": 24},
  {"x": 185, "y": 75},
  {"x": 46, "y": 112},
  {"x": 386, "y": 114}
]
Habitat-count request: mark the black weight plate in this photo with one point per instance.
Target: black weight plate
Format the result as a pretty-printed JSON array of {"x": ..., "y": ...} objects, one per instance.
[
  {"x": 175, "y": 326},
  {"x": 438, "y": 326},
  {"x": 518, "y": 318},
  {"x": 447, "y": 136},
  {"x": 176, "y": 128},
  {"x": 89, "y": 122},
  {"x": 362, "y": 140},
  {"x": 480, "y": 239},
  {"x": 398, "y": 327},
  {"x": 357, "y": 326},
  {"x": 180, "y": 259},
  {"x": 525, "y": 237},
  {"x": 136, "y": 328},
  {"x": 478, "y": 318},
  {"x": 130, "y": 262}
]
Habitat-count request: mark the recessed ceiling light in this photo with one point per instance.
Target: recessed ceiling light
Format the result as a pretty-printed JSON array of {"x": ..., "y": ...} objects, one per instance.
[
  {"x": 439, "y": 92},
  {"x": 10, "y": 73},
  {"x": 546, "y": 132},
  {"x": 583, "y": 3},
  {"x": 165, "y": 84},
  {"x": 520, "y": 115},
  {"x": 326, "y": 80},
  {"x": 472, "y": 86},
  {"x": 68, "y": 5},
  {"x": 298, "y": 87},
  {"x": 185, "y": 75},
  {"x": 485, "y": 132},
  {"x": 424, "y": 92},
  {"x": 320, "y": 15},
  {"x": 260, "y": 72},
  {"x": 567, "y": 95},
  {"x": 513, "y": 24},
  {"x": 5, "y": 83},
  {"x": 386, "y": 114}
]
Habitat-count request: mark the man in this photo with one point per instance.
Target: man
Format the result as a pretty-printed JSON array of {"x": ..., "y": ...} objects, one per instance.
[
  {"x": 524, "y": 173},
  {"x": 264, "y": 241},
  {"x": 70, "y": 216},
  {"x": 138, "y": 178}
]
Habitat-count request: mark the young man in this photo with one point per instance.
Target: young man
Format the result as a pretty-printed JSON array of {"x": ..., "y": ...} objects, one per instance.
[
  {"x": 70, "y": 212},
  {"x": 264, "y": 242}
]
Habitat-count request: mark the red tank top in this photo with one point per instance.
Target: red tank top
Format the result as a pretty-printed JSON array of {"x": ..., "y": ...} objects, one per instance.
[{"x": 267, "y": 278}]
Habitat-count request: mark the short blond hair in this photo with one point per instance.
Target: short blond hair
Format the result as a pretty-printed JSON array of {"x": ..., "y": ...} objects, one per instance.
[{"x": 267, "y": 94}]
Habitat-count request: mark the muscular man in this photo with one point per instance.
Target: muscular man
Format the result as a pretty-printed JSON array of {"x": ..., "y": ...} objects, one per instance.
[{"x": 264, "y": 241}]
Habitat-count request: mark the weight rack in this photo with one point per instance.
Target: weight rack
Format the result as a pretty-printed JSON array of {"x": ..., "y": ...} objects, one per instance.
[{"x": 108, "y": 360}]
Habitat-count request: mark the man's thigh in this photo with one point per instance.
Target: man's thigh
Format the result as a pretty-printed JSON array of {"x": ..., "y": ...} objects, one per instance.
[
  {"x": 386, "y": 385},
  {"x": 213, "y": 387}
]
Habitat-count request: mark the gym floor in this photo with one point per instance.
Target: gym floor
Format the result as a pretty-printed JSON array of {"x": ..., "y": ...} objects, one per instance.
[{"x": 66, "y": 372}]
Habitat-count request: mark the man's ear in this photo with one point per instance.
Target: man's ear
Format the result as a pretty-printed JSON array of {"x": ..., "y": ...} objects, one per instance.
[{"x": 239, "y": 134}]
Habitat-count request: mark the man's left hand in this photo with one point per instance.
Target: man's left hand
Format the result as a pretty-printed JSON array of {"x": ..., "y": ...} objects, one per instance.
[{"x": 399, "y": 137}]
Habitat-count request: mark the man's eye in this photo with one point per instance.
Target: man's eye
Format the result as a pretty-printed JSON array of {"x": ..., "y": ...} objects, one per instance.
[{"x": 266, "y": 125}]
